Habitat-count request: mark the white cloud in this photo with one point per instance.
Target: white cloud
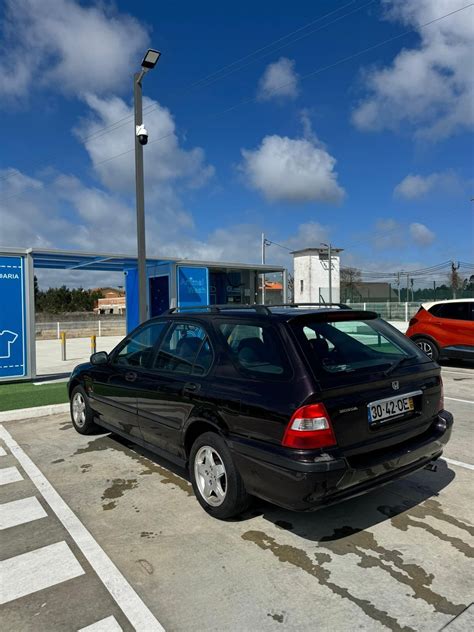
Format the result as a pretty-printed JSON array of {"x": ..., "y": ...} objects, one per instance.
[
  {"x": 279, "y": 81},
  {"x": 416, "y": 186},
  {"x": 412, "y": 187},
  {"x": 166, "y": 162},
  {"x": 69, "y": 47},
  {"x": 421, "y": 234},
  {"x": 429, "y": 88},
  {"x": 292, "y": 170}
]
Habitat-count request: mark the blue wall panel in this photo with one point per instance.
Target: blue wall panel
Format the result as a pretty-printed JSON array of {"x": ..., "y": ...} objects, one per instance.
[
  {"x": 131, "y": 293},
  {"x": 13, "y": 329}
]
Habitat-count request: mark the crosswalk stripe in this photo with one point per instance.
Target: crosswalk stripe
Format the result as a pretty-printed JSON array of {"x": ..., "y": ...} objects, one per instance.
[
  {"x": 9, "y": 475},
  {"x": 27, "y": 573},
  {"x": 139, "y": 615},
  {"x": 2, "y": 452},
  {"x": 20, "y": 511},
  {"x": 105, "y": 625}
]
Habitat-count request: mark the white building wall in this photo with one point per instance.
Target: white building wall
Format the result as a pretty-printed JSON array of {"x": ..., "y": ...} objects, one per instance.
[{"x": 311, "y": 278}]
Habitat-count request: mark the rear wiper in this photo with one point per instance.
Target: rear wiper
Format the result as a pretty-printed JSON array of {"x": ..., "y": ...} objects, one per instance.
[{"x": 396, "y": 364}]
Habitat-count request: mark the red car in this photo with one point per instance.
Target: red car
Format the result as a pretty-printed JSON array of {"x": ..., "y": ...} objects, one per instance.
[{"x": 445, "y": 329}]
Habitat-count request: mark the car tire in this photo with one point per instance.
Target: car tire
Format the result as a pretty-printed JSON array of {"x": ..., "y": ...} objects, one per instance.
[
  {"x": 82, "y": 416},
  {"x": 429, "y": 347},
  {"x": 216, "y": 481}
]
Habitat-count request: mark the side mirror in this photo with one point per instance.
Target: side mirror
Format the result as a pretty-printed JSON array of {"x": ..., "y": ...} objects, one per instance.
[{"x": 101, "y": 357}]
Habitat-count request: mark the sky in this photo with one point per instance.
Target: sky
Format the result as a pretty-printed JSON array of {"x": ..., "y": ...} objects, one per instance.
[{"x": 296, "y": 119}]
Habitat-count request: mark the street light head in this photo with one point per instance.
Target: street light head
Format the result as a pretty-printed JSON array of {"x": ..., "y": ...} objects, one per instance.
[{"x": 151, "y": 59}]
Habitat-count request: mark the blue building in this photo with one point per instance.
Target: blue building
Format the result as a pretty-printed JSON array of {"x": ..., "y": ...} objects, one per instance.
[{"x": 171, "y": 283}]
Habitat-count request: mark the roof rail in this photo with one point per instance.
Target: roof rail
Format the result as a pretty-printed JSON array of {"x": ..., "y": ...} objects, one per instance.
[
  {"x": 260, "y": 309},
  {"x": 340, "y": 305}
]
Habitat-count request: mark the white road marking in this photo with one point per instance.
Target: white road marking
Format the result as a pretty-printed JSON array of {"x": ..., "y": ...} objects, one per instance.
[
  {"x": 468, "y": 466},
  {"x": 2, "y": 452},
  {"x": 463, "y": 401},
  {"x": 126, "y": 598},
  {"x": 20, "y": 511},
  {"x": 105, "y": 625},
  {"x": 9, "y": 475},
  {"x": 468, "y": 372},
  {"x": 461, "y": 622},
  {"x": 27, "y": 573}
]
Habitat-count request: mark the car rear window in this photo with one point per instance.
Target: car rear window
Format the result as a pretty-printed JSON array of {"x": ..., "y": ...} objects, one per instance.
[
  {"x": 341, "y": 351},
  {"x": 255, "y": 348}
]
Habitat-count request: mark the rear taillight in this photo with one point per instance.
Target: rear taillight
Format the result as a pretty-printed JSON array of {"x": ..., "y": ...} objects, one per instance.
[
  {"x": 441, "y": 397},
  {"x": 413, "y": 321},
  {"x": 309, "y": 428}
]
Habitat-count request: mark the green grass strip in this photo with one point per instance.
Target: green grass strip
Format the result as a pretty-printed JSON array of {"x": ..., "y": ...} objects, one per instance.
[{"x": 23, "y": 395}]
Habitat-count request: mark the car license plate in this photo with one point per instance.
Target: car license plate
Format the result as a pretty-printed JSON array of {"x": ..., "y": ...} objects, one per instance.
[{"x": 387, "y": 408}]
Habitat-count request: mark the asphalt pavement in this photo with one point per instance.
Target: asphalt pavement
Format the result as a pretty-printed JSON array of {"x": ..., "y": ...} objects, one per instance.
[{"x": 100, "y": 535}]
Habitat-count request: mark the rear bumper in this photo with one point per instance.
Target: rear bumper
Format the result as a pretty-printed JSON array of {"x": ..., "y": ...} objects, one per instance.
[{"x": 303, "y": 486}]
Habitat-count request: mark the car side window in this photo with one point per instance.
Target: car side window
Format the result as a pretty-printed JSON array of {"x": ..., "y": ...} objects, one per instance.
[
  {"x": 185, "y": 350},
  {"x": 255, "y": 348},
  {"x": 453, "y": 311},
  {"x": 137, "y": 350}
]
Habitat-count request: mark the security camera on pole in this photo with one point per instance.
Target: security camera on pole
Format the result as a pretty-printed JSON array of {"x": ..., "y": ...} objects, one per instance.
[{"x": 141, "y": 138}]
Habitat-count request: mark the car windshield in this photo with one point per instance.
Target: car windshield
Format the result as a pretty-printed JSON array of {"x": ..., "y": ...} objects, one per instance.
[{"x": 351, "y": 347}]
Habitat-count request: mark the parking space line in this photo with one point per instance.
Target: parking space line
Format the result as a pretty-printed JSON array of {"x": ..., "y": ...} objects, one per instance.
[
  {"x": 468, "y": 466},
  {"x": 9, "y": 475},
  {"x": 124, "y": 595},
  {"x": 105, "y": 625},
  {"x": 2, "y": 452},
  {"x": 29, "y": 572},
  {"x": 463, "y": 401},
  {"x": 20, "y": 511}
]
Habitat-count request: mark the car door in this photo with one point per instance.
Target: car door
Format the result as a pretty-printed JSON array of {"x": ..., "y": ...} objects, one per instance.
[
  {"x": 174, "y": 385},
  {"x": 456, "y": 328},
  {"x": 115, "y": 385}
]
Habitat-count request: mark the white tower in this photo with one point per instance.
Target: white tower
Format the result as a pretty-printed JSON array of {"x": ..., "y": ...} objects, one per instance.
[{"x": 311, "y": 275}]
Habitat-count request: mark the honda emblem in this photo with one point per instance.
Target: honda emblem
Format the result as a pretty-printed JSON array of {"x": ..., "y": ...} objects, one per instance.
[{"x": 396, "y": 385}]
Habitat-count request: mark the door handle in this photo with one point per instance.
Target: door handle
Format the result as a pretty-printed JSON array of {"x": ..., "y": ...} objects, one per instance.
[
  {"x": 130, "y": 376},
  {"x": 191, "y": 387}
]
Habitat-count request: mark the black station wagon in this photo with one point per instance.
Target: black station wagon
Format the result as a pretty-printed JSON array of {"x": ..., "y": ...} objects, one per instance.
[{"x": 299, "y": 405}]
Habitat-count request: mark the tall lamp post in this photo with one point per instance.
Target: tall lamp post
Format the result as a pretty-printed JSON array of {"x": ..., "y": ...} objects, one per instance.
[
  {"x": 328, "y": 246},
  {"x": 141, "y": 138}
]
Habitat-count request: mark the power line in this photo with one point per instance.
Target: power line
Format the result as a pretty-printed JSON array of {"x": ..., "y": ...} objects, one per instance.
[
  {"x": 115, "y": 125},
  {"x": 203, "y": 81},
  {"x": 305, "y": 76}
]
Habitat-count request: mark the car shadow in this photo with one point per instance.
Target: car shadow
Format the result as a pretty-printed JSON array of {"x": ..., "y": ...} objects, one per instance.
[
  {"x": 457, "y": 364},
  {"x": 407, "y": 499},
  {"x": 402, "y": 502}
]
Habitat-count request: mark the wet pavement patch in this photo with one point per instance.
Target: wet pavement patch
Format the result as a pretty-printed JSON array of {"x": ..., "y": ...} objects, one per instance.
[
  {"x": 402, "y": 518},
  {"x": 116, "y": 489},
  {"x": 276, "y": 617},
  {"x": 362, "y": 544},
  {"x": 300, "y": 559},
  {"x": 149, "y": 467}
]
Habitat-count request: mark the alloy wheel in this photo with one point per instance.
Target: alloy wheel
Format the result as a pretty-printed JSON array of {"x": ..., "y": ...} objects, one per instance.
[
  {"x": 210, "y": 475},
  {"x": 426, "y": 347},
  {"x": 79, "y": 410}
]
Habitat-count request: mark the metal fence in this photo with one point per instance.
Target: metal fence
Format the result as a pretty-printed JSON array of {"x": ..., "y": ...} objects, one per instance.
[
  {"x": 390, "y": 311},
  {"x": 80, "y": 328}
]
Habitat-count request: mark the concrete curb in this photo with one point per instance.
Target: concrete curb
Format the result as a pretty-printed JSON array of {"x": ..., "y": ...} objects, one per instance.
[{"x": 31, "y": 413}]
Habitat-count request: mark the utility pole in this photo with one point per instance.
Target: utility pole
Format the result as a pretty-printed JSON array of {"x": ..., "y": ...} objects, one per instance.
[
  {"x": 408, "y": 288},
  {"x": 398, "y": 286},
  {"x": 454, "y": 277},
  {"x": 264, "y": 243}
]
